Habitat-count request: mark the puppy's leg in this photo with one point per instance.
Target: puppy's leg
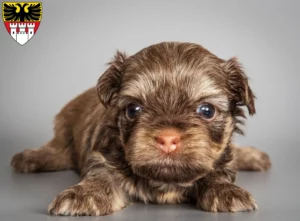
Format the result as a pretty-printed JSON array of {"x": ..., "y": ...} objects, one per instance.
[
  {"x": 54, "y": 155},
  {"x": 220, "y": 196},
  {"x": 95, "y": 195},
  {"x": 250, "y": 158},
  {"x": 50, "y": 157},
  {"x": 217, "y": 193}
]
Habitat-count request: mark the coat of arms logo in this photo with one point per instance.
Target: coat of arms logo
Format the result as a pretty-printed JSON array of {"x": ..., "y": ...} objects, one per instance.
[{"x": 22, "y": 19}]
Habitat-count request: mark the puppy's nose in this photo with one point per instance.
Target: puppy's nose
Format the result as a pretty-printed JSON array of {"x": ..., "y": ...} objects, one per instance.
[{"x": 168, "y": 140}]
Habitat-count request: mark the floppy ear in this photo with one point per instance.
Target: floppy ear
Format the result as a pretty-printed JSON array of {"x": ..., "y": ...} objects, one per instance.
[
  {"x": 109, "y": 82},
  {"x": 240, "y": 90}
]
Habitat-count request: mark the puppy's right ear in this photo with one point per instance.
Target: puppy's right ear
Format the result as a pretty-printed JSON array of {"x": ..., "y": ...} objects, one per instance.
[{"x": 110, "y": 81}]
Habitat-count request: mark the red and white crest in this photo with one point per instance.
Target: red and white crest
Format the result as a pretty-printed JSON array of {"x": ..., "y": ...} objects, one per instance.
[{"x": 22, "y": 19}]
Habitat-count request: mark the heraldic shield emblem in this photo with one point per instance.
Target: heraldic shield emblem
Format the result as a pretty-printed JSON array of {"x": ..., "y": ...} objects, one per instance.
[{"x": 22, "y": 19}]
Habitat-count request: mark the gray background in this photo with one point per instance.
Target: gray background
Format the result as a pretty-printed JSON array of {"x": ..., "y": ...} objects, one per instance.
[{"x": 69, "y": 52}]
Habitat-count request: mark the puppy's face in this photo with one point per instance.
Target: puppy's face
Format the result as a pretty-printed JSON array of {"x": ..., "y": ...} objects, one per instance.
[{"x": 177, "y": 107}]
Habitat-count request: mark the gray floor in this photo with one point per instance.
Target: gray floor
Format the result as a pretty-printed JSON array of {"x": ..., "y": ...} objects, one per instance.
[{"x": 26, "y": 196}]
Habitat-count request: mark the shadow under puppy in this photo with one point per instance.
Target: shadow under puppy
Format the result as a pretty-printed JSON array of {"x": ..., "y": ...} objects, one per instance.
[{"x": 161, "y": 133}]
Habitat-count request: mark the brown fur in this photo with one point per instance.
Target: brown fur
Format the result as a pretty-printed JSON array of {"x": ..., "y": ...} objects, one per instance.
[{"x": 116, "y": 156}]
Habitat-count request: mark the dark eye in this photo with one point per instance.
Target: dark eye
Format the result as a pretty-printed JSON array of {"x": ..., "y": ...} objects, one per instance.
[
  {"x": 132, "y": 110},
  {"x": 206, "y": 110}
]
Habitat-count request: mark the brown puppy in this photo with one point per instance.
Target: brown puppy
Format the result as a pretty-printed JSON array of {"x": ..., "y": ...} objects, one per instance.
[{"x": 161, "y": 133}]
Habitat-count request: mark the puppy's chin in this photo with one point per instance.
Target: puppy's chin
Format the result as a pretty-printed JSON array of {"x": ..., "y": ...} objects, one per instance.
[{"x": 169, "y": 173}]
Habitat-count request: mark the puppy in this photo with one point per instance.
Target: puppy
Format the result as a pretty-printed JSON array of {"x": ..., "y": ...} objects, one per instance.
[{"x": 157, "y": 128}]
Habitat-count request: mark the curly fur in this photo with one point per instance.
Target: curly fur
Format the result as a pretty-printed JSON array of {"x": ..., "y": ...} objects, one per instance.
[{"x": 116, "y": 156}]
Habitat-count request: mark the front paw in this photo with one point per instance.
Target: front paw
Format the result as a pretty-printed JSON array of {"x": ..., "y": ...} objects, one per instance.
[
  {"x": 226, "y": 197},
  {"x": 78, "y": 201}
]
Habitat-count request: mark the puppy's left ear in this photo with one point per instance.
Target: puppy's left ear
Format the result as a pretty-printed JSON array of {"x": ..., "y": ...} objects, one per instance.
[
  {"x": 240, "y": 90},
  {"x": 110, "y": 81}
]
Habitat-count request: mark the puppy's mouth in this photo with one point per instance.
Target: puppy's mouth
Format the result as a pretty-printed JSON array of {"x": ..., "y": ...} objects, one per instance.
[
  {"x": 170, "y": 173},
  {"x": 173, "y": 167}
]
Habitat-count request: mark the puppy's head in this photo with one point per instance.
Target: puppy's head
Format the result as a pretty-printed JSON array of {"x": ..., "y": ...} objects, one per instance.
[{"x": 178, "y": 106}]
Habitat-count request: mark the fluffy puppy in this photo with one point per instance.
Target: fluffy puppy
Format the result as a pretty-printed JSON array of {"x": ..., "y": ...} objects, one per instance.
[{"x": 157, "y": 128}]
